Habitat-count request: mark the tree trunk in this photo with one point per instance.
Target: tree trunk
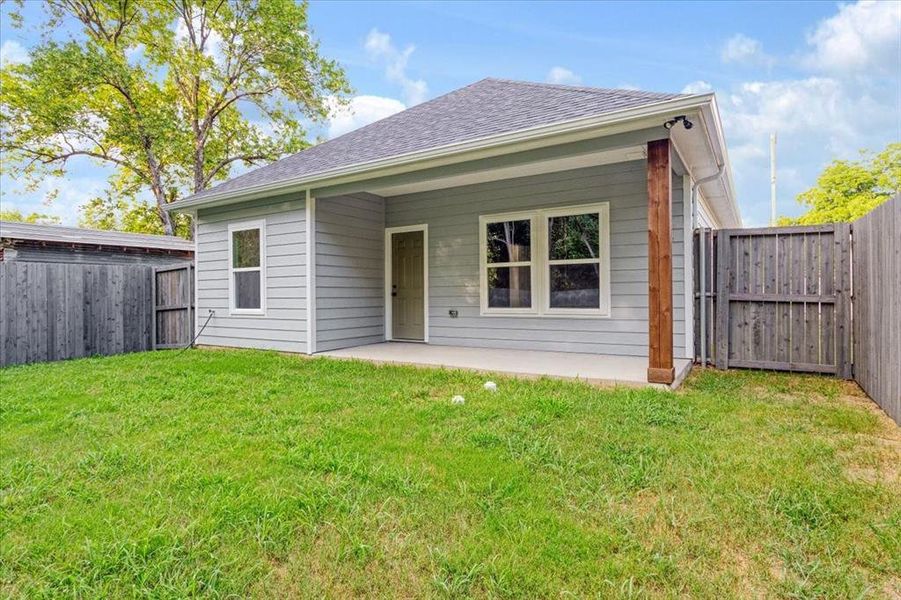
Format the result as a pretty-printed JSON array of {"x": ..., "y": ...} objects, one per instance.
[
  {"x": 168, "y": 228},
  {"x": 156, "y": 186}
]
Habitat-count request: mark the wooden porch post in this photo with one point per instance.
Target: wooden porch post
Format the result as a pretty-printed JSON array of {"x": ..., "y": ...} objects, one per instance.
[{"x": 660, "y": 264}]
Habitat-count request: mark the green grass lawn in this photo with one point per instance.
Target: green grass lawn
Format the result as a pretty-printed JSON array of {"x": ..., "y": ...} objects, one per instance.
[{"x": 240, "y": 473}]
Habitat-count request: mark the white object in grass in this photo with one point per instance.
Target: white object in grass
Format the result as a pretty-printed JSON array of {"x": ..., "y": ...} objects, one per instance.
[
  {"x": 490, "y": 386},
  {"x": 458, "y": 400}
]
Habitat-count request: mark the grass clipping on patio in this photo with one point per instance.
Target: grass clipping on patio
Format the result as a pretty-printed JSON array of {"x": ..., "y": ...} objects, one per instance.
[{"x": 259, "y": 474}]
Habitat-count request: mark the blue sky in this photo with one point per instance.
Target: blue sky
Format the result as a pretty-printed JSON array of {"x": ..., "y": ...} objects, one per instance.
[{"x": 825, "y": 76}]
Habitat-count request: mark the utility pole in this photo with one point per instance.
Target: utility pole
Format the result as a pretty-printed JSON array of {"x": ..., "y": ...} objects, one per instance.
[{"x": 772, "y": 179}]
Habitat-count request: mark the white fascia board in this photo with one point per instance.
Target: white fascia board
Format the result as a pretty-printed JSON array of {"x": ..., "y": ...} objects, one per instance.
[
  {"x": 720, "y": 191},
  {"x": 525, "y": 139},
  {"x": 722, "y": 149}
]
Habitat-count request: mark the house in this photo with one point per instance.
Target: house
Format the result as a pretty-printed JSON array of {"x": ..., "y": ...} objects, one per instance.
[
  {"x": 505, "y": 215},
  {"x": 28, "y": 242}
]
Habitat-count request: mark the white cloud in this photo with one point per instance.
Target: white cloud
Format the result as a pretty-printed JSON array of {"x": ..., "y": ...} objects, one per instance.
[
  {"x": 562, "y": 75},
  {"x": 845, "y": 99},
  {"x": 817, "y": 119},
  {"x": 56, "y": 196},
  {"x": 862, "y": 36},
  {"x": 380, "y": 48},
  {"x": 12, "y": 52},
  {"x": 697, "y": 87},
  {"x": 213, "y": 45},
  {"x": 362, "y": 110},
  {"x": 741, "y": 49}
]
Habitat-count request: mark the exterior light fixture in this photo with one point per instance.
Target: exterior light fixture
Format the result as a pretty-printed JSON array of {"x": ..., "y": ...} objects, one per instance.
[{"x": 685, "y": 122}]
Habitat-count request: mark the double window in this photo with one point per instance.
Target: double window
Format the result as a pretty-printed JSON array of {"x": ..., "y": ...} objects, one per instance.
[
  {"x": 247, "y": 267},
  {"x": 546, "y": 262}
]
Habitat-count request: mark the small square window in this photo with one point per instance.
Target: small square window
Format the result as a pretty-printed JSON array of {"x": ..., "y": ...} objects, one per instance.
[
  {"x": 575, "y": 286},
  {"x": 572, "y": 237},
  {"x": 509, "y": 241},
  {"x": 246, "y": 248},
  {"x": 510, "y": 287},
  {"x": 247, "y": 289}
]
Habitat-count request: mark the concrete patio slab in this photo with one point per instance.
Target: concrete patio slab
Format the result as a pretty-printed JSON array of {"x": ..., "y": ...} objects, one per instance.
[{"x": 592, "y": 368}]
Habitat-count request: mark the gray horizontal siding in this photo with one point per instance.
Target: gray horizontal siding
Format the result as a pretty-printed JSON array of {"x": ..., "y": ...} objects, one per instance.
[
  {"x": 453, "y": 214},
  {"x": 350, "y": 264},
  {"x": 283, "y": 327}
]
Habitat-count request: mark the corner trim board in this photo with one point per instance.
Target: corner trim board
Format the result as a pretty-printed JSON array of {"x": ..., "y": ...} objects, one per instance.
[
  {"x": 688, "y": 271},
  {"x": 310, "y": 209},
  {"x": 194, "y": 262}
]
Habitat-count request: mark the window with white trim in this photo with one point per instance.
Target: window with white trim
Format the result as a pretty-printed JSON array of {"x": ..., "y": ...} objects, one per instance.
[
  {"x": 547, "y": 262},
  {"x": 246, "y": 267}
]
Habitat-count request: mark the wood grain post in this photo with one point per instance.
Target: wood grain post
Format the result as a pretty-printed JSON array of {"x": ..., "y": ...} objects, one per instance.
[
  {"x": 842, "y": 266},
  {"x": 723, "y": 286},
  {"x": 660, "y": 264}
]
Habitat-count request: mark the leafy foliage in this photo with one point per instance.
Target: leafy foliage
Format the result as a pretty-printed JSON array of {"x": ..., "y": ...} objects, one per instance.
[
  {"x": 171, "y": 93},
  {"x": 129, "y": 214},
  {"x": 847, "y": 190},
  {"x": 38, "y": 218}
]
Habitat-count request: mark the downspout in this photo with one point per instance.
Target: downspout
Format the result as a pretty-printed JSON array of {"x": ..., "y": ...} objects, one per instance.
[{"x": 703, "y": 257}]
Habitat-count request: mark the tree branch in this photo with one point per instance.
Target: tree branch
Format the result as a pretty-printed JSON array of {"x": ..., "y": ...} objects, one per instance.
[{"x": 248, "y": 158}]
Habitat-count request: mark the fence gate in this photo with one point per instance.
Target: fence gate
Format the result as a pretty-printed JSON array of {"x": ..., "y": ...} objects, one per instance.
[
  {"x": 774, "y": 298},
  {"x": 173, "y": 306}
]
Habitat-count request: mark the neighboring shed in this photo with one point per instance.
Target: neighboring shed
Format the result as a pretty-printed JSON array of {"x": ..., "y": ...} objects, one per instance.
[
  {"x": 27, "y": 242},
  {"x": 68, "y": 293}
]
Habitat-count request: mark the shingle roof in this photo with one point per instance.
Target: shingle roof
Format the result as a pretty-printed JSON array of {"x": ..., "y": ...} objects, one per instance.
[
  {"x": 14, "y": 230},
  {"x": 485, "y": 108}
]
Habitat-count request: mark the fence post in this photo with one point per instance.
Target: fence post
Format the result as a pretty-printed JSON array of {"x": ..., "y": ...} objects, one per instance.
[
  {"x": 722, "y": 298},
  {"x": 153, "y": 296},
  {"x": 843, "y": 301},
  {"x": 189, "y": 301}
]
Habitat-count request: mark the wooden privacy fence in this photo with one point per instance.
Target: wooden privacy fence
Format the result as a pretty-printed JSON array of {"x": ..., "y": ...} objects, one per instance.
[
  {"x": 877, "y": 315},
  {"x": 822, "y": 299},
  {"x": 775, "y": 298},
  {"x": 55, "y": 311}
]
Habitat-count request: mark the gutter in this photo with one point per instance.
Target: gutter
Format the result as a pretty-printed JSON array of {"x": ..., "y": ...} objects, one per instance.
[
  {"x": 702, "y": 257},
  {"x": 406, "y": 162}
]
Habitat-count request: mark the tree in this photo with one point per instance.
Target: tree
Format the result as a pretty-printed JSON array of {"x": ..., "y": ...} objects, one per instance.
[
  {"x": 126, "y": 214},
  {"x": 847, "y": 190},
  {"x": 38, "y": 218},
  {"x": 170, "y": 93}
]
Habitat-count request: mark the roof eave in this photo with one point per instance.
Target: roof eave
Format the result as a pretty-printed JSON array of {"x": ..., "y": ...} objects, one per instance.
[
  {"x": 60, "y": 234},
  {"x": 452, "y": 153},
  {"x": 729, "y": 181}
]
